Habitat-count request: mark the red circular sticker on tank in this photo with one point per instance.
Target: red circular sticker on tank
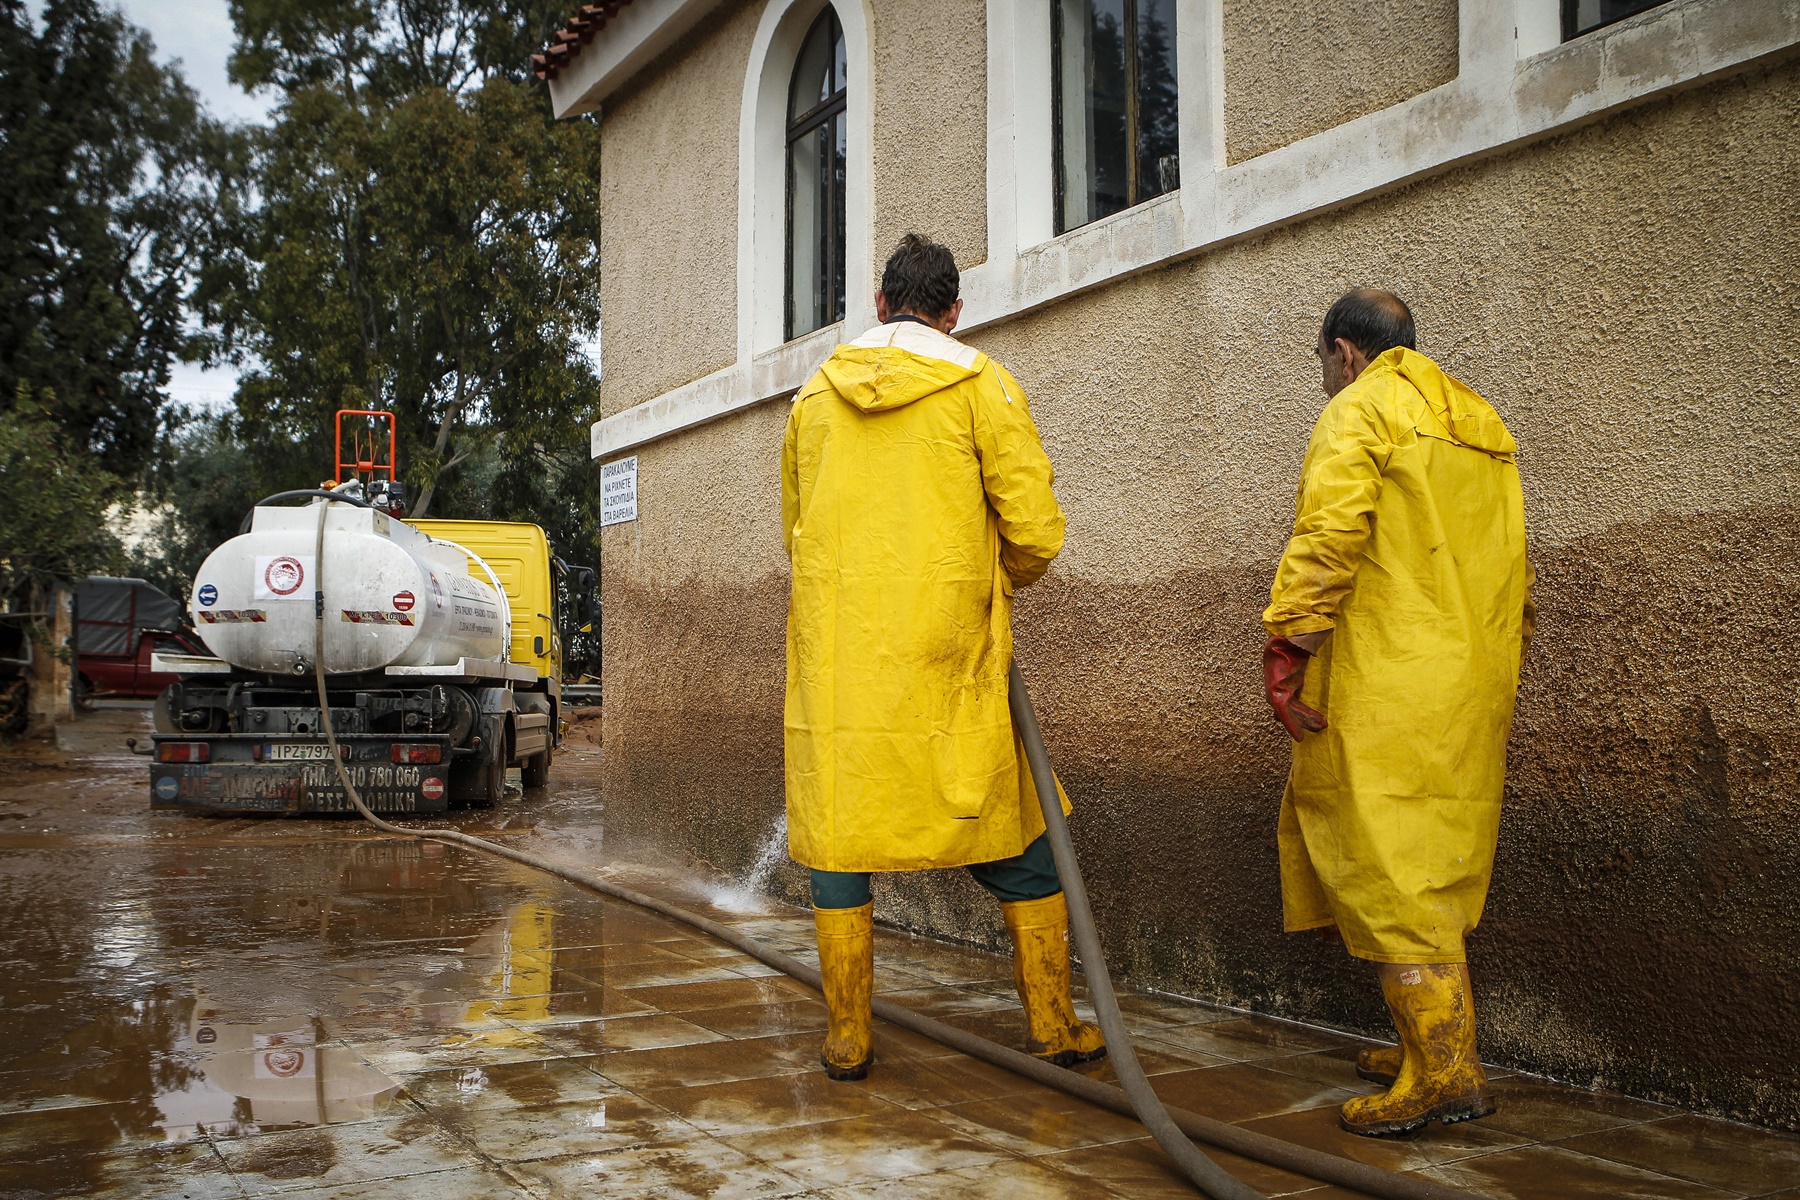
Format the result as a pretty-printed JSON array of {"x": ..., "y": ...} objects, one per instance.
[
  {"x": 285, "y": 1064},
  {"x": 403, "y": 601},
  {"x": 284, "y": 576},
  {"x": 432, "y": 788}
]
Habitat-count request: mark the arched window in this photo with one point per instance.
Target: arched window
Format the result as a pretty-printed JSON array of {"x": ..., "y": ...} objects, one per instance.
[{"x": 816, "y": 152}]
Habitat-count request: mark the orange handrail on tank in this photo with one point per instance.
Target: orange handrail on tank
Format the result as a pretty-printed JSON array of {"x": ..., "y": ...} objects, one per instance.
[{"x": 359, "y": 464}]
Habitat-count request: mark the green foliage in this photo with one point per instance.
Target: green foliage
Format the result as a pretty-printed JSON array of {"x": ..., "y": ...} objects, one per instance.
[
  {"x": 206, "y": 480},
  {"x": 55, "y": 500},
  {"x": 115, "y": 190},
  {"x": 427, "y": 243}
]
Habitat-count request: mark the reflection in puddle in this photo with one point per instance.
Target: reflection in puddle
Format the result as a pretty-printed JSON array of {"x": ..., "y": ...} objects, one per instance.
[{"x": 271, "y": 1074}]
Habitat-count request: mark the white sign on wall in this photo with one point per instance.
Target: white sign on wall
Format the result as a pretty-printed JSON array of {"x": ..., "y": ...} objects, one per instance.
[{"x": 618, "y": 491}]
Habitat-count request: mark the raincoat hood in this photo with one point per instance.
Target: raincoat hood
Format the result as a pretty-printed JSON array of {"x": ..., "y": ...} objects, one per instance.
[
  {"x": 1469, "y": 420},
  {"x": 893, "y": 365}
]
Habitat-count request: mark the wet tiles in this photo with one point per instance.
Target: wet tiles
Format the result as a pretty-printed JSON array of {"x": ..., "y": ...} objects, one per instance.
[
  {"x": 700, "y": 1169},
  {"x": 748, "y": 1105},
  {"x": 918, "y": 1083},
  {"x": 1039, "y": 1124},
  {"x": 1718, "y": 1153},
  {"x": 461, "y": 1183},
  {"x": 1013, "y": 1179},
  {"x": 885, "y": 1146},
  {"x": 759, "y": 1020},
  {"x": 466, "y": 1031},
  {"x": 646, "y": 1031},
  {"x": 691, "y": 997},
  {"x": 1245, "y": 1039},
  {"x": 594, "y": 1126},
  {"x": 313, "y": 1158},
  {"x": 1551, "y": 1173},
  {"x": 1318, "y": 1129},
  {"x": 508, "y": 1085},
  {"x": 1244, "y": 1091},
  {"x": 712, "y": 1062},
  {"x": 460, "y": 1048},
  {"x": 194, "y": 1172},
  {"x": 1547, "y": 1112}
]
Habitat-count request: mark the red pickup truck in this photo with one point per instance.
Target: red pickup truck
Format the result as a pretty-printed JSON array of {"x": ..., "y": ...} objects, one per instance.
[{"x": 119, "y": 624}]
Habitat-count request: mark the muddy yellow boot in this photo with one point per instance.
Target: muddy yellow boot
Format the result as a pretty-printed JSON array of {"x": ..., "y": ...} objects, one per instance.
[
  {"x": 1040, "y": 938},
  {"x": 1440, "y": 1077},
  {"x": 1379, "y": 1065},
  {"x": 847, "y": 962}
]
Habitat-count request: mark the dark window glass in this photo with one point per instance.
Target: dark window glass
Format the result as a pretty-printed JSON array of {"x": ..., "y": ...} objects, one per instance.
[
  {"x": 1582, "y": 16},
  {"x": 816, "y": 139},
  {"x": 1117, "y": 140}
]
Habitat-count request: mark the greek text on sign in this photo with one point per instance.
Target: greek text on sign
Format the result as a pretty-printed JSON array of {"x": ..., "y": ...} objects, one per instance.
[
  {"x": 283, "y": 576},
  {"x": 618, "y": 491}
]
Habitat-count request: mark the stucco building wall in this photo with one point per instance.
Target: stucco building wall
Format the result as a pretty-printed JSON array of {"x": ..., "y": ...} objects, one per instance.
[
  {"x": 1624, "y": 294},
  {"x": 930, "y": 151},
  {"x": 669, "y": 186},
  {"x": 1296, "y": 69}
]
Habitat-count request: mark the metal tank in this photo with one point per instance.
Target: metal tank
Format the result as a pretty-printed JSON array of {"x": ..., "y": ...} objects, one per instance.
[{"x": 393, "y": 596}]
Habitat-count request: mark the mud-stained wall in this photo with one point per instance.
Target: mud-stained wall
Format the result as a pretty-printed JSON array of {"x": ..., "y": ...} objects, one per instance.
[
  {"x": 1637, "y": 331},
  {"x": 694, "y": 594},
  {"x": 930, "y": 147},
  {"x": 1293, "y": 70},
  {"x": 669, "y": 183}
]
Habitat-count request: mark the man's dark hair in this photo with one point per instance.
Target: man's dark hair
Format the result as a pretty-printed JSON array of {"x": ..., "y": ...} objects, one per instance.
[
  {"x": 920, "y": 277},
  {"x": 1371, "y": 320}
]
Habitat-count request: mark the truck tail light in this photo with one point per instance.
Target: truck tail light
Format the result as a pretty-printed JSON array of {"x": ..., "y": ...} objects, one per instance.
[
  {"x": 412, "y": 752},
  {"x": 187, "y": 752}
]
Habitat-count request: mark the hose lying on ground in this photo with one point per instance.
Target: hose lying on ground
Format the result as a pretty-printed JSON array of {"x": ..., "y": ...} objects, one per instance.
[{"x": 1138, "y": 1100}]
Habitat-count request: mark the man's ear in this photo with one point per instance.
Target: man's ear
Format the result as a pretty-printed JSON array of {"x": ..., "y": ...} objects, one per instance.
[
  {"x": 882, "y": 310},
  {"x": 951, "y": 316}
]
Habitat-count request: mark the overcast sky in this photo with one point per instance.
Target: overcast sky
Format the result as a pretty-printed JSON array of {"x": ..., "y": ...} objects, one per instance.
[{"x": 198, "y": 32}]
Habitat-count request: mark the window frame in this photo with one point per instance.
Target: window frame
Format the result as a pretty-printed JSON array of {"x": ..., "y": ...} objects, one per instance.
[
  {"x": 1134, "y": 196},
  {"x": 835, "y": 217},
  {"x": 1571, "y": 17}
]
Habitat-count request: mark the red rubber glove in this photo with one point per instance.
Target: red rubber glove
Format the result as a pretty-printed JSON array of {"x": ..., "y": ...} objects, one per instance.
[{"x": 1284, "y": 670}]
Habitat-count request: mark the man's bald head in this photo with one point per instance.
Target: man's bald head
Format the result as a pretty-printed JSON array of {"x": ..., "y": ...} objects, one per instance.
[
  {"x": 1359, "y": 327},
  {"x": 1371, "y": 320}
]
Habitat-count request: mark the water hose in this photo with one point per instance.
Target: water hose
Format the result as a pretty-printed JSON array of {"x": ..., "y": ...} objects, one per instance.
[
  {"x": 1172, "y": 1123},
  {"x": 1145, "y": 1104}
]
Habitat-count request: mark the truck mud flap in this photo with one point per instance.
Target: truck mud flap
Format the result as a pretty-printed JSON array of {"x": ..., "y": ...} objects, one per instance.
[{"x": 310, "y": 787}]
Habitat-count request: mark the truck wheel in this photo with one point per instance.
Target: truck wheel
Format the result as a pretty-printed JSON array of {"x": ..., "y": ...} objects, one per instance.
[
  {"x": 535, "y": 771},
  {"x": 496, "y": 774}
]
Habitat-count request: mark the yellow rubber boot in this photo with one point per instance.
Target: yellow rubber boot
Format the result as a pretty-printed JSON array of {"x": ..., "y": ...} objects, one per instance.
[
  {"x": 1440, "y": 1077},
  {"x": 1040, "y": 938},
  {"x": 1380, "y": 1065},
  {"x": 847, "y": 962}
]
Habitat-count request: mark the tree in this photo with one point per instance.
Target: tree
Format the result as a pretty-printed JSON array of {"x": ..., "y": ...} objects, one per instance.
[
  {"x": 427, "y": 242},
  {"x": 55, "y": 501},
  {"x": 115, "y": 192}
]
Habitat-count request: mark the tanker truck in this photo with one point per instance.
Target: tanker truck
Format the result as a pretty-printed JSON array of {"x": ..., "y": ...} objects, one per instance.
[{"x": 441, "y": 646}]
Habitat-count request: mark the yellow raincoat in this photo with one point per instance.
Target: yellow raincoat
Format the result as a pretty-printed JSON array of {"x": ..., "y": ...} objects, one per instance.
[
  {"x": 915, "y": 496},
  {"x": 1409, "y": 544}
]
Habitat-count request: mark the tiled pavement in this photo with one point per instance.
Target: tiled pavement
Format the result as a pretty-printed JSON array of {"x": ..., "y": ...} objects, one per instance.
[
  {"x": 230, "y": 1008},
  {"x": 579, "y": 1047}
]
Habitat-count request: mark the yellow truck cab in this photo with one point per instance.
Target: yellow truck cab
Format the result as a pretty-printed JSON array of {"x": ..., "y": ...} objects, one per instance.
[{"x": 519, "y": 554}]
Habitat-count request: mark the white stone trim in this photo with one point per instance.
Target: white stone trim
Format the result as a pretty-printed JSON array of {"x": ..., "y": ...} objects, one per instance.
[
  {"x": 634, "y": 37},
  {"x": 1510, "y": 90},
  {"x": 762, "y": 173}
]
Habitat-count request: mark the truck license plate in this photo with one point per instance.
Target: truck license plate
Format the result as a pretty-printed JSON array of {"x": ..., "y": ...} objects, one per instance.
[{"x": 302, "y": 751}]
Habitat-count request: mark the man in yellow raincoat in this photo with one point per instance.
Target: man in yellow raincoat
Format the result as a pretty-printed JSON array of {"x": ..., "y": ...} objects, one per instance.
[
  {"x": 915, "y": 498},
  {"x": 1397, "y": 620}
]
